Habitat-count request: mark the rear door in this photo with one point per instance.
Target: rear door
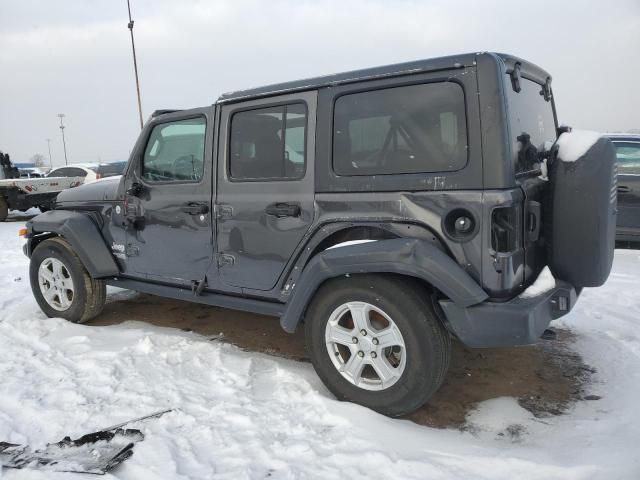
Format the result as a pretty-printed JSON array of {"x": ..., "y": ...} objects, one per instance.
[
  {"x": 532, "y": 127},
  {"x": 628, "y": 157},
  {"x": 265, "y": 196}
]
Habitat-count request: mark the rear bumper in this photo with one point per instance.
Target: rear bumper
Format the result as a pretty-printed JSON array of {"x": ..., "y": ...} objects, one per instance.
[{"x": 520, "y": 321}]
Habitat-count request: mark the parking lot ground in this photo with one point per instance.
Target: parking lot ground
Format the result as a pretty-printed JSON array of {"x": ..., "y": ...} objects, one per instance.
[{"x": 547, "y": 378}]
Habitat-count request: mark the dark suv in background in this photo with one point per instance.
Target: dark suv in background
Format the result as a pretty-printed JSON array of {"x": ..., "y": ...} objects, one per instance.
[
  {"x": 386, "y": 209},
  {"x": 112, "y": 169},
  {"x": 628, "y": 158}
]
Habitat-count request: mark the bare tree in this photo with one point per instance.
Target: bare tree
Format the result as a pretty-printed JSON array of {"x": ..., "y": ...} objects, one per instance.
[{"x": 38, "y": 160}]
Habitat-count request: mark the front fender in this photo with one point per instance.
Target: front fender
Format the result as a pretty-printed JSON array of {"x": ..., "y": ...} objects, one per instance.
[
  {"x": 405, "y": 256},
  {"x": 83, "y": 235}
]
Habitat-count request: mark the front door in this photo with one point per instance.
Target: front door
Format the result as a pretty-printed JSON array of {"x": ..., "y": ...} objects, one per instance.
[
  {"x": 168, "y": 200},
  {"x": 265, "y": 196}
]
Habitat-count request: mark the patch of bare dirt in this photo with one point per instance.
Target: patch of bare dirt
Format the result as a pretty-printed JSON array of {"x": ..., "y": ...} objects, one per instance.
[{"x": 547, "y": 378}]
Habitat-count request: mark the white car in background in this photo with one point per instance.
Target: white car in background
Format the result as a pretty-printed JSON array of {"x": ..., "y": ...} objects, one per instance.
[
  {"x": 84, "y": 170},
  {"x": 90, "y": 171}
]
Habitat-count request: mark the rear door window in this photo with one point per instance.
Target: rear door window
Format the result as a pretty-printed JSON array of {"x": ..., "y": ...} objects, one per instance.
[
  {"x": 76, "y": 172},
  {"x": 63, "y": 172},
  {"x": 268, "y": 143},
  {"x": 400, "y": 130}
]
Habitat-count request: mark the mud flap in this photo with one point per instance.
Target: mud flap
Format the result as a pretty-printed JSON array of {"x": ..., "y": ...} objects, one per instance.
[{"x": 95, "y": 453}]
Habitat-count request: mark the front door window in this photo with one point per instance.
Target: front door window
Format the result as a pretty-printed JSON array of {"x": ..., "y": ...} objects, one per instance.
[{"x": 175, "y": 152}]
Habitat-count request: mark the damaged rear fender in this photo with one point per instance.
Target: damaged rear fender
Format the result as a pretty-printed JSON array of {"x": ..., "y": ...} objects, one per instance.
[{"x": 403, "y": 256}]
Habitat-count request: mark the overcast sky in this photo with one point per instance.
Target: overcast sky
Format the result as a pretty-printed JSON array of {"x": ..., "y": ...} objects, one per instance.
[{"x": 74, "y": 57}]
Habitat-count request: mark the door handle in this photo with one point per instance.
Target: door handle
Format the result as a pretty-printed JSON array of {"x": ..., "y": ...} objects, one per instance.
[
  {"x": 534, "y": 219},
  {"x": 283, "y": 210},
  {"x": 623, "y": 189},
  {"x": 196, "y": 208}
]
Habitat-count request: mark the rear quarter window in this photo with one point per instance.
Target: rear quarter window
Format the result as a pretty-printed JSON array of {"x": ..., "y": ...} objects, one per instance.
[{"x": 400, "y": 130}]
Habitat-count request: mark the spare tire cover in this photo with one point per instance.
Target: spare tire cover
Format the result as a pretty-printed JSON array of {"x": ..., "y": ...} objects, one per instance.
[{"x": 583, "y": 197}]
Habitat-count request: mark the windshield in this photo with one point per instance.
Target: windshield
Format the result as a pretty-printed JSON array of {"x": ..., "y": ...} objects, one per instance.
[{"x": 529, "y": 114}]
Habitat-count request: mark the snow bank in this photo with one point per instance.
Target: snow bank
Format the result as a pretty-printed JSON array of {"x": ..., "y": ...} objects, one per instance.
[
  {"x": 17, "y": 214},
  {"x": 543, "y": 283},
  {"x": 242, "y": 415},
  {"x": 574, "y": 144}
]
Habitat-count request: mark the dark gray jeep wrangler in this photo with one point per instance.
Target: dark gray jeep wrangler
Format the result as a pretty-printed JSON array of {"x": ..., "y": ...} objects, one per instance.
[{"x": 386, "y": 209}]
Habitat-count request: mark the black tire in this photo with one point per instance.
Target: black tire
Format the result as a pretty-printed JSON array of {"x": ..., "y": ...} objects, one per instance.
[
  {"x": 4, "y": 209},
  {"x": 580, "y": 216},
  {"x": 89, "y": 294},
  {"x": 427, "y": 342}
]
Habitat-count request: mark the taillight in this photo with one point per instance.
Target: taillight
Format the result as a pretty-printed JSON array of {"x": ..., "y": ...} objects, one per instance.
[
  {"x": 504, "y": 232},
  {"x": 98, "y": 176}
]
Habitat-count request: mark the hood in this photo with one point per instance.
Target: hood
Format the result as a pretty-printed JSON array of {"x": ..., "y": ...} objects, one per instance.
[{"x": 98, "y": 191}]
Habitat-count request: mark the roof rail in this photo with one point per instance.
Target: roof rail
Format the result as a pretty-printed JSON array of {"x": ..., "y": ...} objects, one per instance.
[{"x": 157, "y": 113}]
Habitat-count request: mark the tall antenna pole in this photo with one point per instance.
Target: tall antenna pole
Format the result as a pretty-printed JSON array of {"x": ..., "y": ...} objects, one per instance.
[
  {"x": 49, "y": 146},
  {"x": 64, "y": 144},
  {"x": 135, "y": 63}
]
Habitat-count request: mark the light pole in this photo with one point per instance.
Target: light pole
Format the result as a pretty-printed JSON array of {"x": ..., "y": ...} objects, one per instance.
[
  {"x": 135, "y": 63},
  {"x": 49, "y": 147},
  {"x": 64, "y": 144}
]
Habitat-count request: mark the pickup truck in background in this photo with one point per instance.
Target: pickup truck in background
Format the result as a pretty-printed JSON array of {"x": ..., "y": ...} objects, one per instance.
[{"x": 24, "y": 193}]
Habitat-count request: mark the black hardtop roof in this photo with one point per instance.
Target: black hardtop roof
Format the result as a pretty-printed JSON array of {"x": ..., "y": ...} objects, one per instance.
[
  {"x": 407, "y": 68},
  {"x": 634, "y": 137}
]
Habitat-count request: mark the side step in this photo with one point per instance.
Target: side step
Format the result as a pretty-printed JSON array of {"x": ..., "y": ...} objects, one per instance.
[{"x": 263, "y": 307}]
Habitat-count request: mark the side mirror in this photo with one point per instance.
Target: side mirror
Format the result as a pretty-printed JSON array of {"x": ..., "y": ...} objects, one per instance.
[
  {"x": 515, "y": 77},
  {"x": 135, "y": 190},
  {"x": 563, "y": 129}
]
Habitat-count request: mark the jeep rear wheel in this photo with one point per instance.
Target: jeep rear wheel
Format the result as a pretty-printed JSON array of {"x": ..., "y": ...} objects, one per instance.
[
  {"x": 61, "y": 285},
  {"x": 375, "y": 340},
  {"x": 4, "y": 209}
]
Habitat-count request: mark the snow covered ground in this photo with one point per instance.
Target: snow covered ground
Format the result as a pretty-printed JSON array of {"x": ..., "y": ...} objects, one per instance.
[{"x": 246, "y": 415}]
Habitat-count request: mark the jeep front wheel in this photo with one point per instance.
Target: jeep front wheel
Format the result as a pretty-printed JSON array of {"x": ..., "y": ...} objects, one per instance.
[
  {"x": 375, "y": 340},
  {"x": 61, "y": 285}
]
